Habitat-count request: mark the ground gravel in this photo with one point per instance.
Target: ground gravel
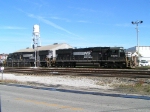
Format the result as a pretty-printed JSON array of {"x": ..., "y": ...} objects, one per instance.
[{"x": 125, "y": 85}]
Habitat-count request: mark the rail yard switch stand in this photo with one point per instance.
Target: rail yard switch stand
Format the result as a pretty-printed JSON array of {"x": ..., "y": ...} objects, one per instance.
[{"x": 2, "y": 69}]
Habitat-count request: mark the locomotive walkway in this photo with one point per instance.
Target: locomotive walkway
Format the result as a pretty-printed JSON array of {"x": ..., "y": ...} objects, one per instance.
[{"x": 128, "y": 73}]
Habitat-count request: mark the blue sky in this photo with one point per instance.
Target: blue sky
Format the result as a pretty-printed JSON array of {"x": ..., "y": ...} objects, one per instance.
[{"x": 79, "y": 23}]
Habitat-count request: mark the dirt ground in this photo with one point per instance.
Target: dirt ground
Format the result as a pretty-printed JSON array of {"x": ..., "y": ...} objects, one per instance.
[
  {"x": 127, "y": 85},
  {"x": 122, "y": 85}
]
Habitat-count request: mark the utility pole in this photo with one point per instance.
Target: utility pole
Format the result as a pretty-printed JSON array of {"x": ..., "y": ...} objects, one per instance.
[{"x": 137, "y": 22}]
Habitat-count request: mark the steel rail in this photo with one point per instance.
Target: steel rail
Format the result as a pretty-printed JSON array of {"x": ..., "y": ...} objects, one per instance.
[{"x": 82, "y": 71}]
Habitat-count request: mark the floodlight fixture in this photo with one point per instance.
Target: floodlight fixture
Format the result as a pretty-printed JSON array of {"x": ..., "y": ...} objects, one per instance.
[{"x": 137, "y": 22}]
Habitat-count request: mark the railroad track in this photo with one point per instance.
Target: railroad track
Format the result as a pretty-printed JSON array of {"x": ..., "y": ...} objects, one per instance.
[{"x": 132, "y": 73}]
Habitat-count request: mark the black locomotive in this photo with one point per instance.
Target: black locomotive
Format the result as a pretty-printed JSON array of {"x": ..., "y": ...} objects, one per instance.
[
  {"x": 107, "y": 57},
  {"x": 27, "y": 59}
]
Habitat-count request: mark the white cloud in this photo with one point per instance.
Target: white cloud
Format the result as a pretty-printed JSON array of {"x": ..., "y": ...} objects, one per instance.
[
  {"x": 48, "y": 22},
  {"x": 12, "y": 27},
  {"x": 15, "y": 40},
  {"x": 51, "y": 23},
  {"x": 82, "y": 21},
  {"x": 58, "y": 18},
  {"x": 124, "y": 25}
]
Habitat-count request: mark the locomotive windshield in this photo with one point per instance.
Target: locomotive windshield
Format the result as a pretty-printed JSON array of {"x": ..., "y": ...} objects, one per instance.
[
  {"x": 117, "y": 52},
  {"x": 122, "y": 53},
  {"x": 9, "y": 57}
]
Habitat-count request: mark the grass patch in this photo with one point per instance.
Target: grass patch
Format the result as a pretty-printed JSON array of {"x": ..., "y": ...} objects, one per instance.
[
  {"x": 10, "y": 81},
  {"x": 143, "y": 68},
  {"x": 136, "y": 88}
]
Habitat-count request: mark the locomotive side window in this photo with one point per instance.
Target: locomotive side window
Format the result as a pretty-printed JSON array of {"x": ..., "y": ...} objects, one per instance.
[
  {"x": 114, "y": 53},
  {"x": 122, "y": 53}
]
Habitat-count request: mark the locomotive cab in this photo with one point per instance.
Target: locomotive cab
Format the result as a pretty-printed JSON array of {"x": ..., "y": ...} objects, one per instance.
[
  {"x": 115, "y": 58},
  {"x": 116, "y": 53}
]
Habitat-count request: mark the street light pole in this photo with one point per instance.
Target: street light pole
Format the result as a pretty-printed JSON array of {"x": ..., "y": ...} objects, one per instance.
[{"x": 137, "y": 22}]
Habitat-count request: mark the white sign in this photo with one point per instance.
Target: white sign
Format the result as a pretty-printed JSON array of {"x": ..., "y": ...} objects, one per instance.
[{"x": 1, "y": 68}]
